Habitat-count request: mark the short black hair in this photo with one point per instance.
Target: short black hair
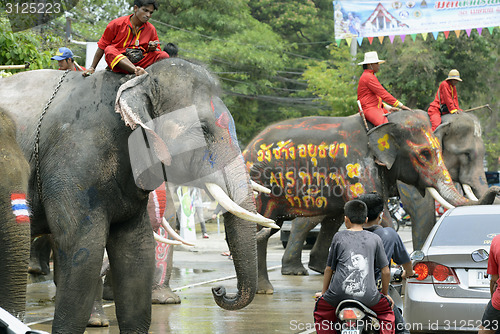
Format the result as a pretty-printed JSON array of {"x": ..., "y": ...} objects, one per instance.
[
  {"x": 171, "y": 49},
  {"x": 140, "y": 3},
  {"x": 356, "y": 211},
  {"x": 374, "y": 203}
]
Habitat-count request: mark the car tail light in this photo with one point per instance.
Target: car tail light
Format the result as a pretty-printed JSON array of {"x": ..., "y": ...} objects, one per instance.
[{"x": 431, "y": 272}]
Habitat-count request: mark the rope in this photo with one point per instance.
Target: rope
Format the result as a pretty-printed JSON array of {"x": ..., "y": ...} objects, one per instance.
[{"x": 36, "y": 153}]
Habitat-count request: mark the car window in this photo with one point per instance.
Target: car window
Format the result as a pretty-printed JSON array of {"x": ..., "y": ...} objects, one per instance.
[{"x": 467, "y": 230}]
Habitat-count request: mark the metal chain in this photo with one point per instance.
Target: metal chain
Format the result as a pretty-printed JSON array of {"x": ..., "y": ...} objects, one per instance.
[{"x": 37, "y": 137}]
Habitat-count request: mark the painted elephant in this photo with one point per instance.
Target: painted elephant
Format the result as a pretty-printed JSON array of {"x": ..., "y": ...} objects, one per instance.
[
  {"x": 463, "y": 154},
  {"x": 314, "y": 165},
  {"x": 91, "y": 176},
  {"x": 15, "y": 229}
]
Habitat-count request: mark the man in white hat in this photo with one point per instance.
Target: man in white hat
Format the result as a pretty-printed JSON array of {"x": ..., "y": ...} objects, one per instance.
[
  {"x": 371, "y": 93},
  {"x": 446, "y": 99}
]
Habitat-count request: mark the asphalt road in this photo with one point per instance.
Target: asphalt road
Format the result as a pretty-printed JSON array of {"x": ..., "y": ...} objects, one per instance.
[{"x": 196, "y": 271}]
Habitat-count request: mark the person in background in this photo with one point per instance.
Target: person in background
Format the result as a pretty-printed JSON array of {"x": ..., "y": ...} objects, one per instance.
[
  {"x": 446, "y": 99},
  {"x": 66, "y": 61},
  {"x": 349, "y": 273},
  {"x": 490, "y": 322},
  {"x": 371, "y": 93},
  {"x": 393, "y": 245},
  {"x": 130, "y": 43},
  {"x": 198, "y": 210}
]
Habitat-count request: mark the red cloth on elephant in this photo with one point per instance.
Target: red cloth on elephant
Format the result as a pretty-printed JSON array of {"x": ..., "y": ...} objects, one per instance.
[
  {"x": 156, "y": 206},
  {"x": 446, "y": 94},
  {"x": 370, "y": 95},
  {"x": 325, "y": 318},
  {"x": 119, "y": 35}
]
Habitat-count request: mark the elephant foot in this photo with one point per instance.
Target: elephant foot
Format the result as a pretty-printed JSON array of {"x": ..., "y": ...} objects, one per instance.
[
  {"x": 98, "y": 317},
  {"x": 165, "y": 295},
  {"x": 265, "y": 288},
  {"x": 298, "y": 270},
  {"x": 319, "y": 269}
]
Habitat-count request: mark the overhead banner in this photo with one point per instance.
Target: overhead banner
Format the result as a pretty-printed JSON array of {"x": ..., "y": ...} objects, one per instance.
[{"x": 359, "y": 19}]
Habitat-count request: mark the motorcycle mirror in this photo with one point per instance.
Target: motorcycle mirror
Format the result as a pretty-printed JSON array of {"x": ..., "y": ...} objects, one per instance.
[
  {"x": 417, "y": 255},
  {"x": 480, "y": 255}
]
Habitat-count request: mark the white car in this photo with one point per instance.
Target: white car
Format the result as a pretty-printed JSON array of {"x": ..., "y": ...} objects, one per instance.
[{"x": 452, "y": 288}]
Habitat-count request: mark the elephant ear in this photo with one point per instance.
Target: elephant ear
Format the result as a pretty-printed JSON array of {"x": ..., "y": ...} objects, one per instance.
[
  {"x": 441, "y": 131},
  {"x": 134, "y": 100},
  {"x": 383, "y": 144}
]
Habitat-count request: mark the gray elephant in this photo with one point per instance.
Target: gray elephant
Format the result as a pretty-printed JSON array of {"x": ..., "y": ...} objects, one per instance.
[
  {"x": 15, "y": 228},
  {"x": 91, "y": 176},
  {"x": 463, "y": 155},
  {"x": 314, "y": 165}
]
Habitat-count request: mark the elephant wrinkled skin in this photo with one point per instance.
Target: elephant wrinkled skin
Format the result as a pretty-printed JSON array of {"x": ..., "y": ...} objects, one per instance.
[
  {"x": 96, "y": 175},
  {"x": 14, "y": 229},
  {"x": 314, "y": 165}
]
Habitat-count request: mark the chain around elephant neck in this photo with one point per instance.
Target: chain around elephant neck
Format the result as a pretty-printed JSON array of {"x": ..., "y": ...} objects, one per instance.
[{"x": 37, "y": 137}]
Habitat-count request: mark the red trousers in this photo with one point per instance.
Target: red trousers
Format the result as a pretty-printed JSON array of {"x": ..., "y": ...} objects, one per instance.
[
  {"x": 114, "y": 56},
  {"x": 375, "y": 115},
  {"x": 325, "y": 318},
  {"x": 435, "y": 116}
]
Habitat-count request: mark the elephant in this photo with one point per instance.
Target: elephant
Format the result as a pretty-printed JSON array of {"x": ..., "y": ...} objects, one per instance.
[
  {"x": 97, "y": 146},
  {"x": 314, "y": 165},
  {"x": 463, "y": 154},
  {"x": 15, "y": 228}
]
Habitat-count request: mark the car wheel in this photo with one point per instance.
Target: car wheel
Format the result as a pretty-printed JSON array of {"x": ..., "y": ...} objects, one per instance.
[{"x": 395, "y": 224}]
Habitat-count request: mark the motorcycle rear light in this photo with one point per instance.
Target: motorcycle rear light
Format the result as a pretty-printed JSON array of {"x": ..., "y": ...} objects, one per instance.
[
  {"x": 431, "y": 272},
  {"x": 350, "y": 314}
]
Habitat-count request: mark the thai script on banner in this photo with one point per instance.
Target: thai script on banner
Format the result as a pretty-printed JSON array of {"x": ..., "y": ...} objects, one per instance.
[{"x": 360, "y": 19}]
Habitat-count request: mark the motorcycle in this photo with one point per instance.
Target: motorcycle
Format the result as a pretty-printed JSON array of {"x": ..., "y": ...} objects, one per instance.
[
  {"x": 398, "y": 213},
  {"x": 356, "y": 318}
]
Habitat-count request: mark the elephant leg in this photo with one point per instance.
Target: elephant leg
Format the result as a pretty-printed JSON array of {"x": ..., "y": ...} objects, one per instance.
[
  {"x": 77, "y": 262},
  {"x": 291, "y": 263},
  {"x": 319, "y": 252},
  {"x": 131, "y": 256},
  {"x": 264, "y": 286},
  {"x": 421, "y": 211},
  {"x": 162, "y": 293},
  {"x": 98, "y": 317},
  {"x": 40, "y": 255}
]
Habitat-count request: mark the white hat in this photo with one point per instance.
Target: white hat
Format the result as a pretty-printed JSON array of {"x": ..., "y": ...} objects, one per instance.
[{"x": 371, "y": 58}]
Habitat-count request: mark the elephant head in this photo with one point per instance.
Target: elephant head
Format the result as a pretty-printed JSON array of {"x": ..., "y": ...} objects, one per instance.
[
  {"x": 14, "y": 219},
  {"x": 411, "y": 153},
  {"x": 463, "y": 152},
  {"x": 185, "y": 134}
]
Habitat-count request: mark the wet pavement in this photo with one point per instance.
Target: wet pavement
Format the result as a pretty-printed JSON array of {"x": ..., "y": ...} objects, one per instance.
[{"x": 196, "y": 271}]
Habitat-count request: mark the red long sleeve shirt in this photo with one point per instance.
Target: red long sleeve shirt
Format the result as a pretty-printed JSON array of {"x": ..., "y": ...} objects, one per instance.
[
  {"x": 446, "y": 94},
  {"x": 120, "y": 34},
  {"x": 371, "y": 93}
]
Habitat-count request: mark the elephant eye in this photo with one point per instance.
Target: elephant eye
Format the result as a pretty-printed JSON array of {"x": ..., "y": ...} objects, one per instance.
[{"x": 426, "y": 154}]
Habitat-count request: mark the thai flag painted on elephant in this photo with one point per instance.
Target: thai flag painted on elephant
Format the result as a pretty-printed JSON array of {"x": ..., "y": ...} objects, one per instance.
[{"x": 20, "y": 208}]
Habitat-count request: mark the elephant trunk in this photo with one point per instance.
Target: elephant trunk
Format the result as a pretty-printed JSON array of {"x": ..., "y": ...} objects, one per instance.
[
  {"x": 449, "y": 197},
  {"x": 241, "y": 239}
]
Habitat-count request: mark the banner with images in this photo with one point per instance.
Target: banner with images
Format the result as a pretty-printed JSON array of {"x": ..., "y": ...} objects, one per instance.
[{"x": 360, "y": 19}]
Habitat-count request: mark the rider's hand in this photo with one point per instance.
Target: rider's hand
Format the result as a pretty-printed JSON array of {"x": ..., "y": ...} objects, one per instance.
[
  {"x": 152, "y": 45},
  {"x": 404, "y": 107},
  {"x": 88, "y": 72},
  {"x": 318, "y": 295},
  {"x": 405, "y": 275},
  {"x": 391, "y": 109}
]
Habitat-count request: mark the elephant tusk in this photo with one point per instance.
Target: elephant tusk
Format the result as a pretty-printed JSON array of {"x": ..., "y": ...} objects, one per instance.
[
  {"x": 159, "y": 238},
  {"x": 174, "y": 234},
  {"x": 260, "y": 188},
  {"x": 434, "y": 193},
  {"x": 228, "y": 204},
  {"x": 469, "y": 192}
]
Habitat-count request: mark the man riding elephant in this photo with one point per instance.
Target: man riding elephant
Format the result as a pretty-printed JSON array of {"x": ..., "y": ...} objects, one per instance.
[
  {"x": 314, "y": 165},
  {"x": 103, "y": 143}
]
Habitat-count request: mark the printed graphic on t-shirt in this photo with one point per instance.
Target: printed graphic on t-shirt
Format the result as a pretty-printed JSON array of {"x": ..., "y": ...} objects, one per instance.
[{"x": 355, "y": 283}]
